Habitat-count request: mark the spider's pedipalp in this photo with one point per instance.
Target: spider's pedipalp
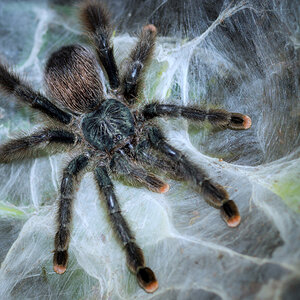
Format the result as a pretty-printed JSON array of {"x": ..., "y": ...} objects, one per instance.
[
  {"x": 43, "y": 142},
  {"x": 213, "y": 193},
  {"x": 145, "y": 157},
  {"x": 218, "y": 118},
  {"x": 123, "y": 166},
  {"x": 64, "y": 215},
  {"x": 134, "y": 255},
  {"x": 95, "y": 20},
  {"x": 11, "y": 84},
  {"x": 139, "y": 57}
]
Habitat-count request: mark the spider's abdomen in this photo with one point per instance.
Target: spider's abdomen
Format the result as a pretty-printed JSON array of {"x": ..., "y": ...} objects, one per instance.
[
  {"x": 109, "y": 126},
  {"x": 72, "y": 78}
]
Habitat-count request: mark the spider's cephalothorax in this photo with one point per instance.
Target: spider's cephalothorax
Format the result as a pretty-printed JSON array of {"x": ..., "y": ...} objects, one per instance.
[
  {"x": 108, "y": 135},
  {"x": 109, "y": 126}
]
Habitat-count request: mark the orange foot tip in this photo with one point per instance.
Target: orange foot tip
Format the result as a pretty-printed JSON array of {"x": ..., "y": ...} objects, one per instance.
[
  {"x": 147, "y": 280},
  {"x": 59, "y": 269},
  {"x": 151, "y": 28},
  {"x": 247, "y": 122},
  {"x": 165, "y": 188},
  {"x": 234, "y": 221},
  {"x": 151, "y": 287}
]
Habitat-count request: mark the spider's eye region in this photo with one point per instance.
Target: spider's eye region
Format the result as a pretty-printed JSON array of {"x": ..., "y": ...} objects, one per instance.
[
  {"x": 108, "y": 126},
  {"x": 118, "y": 137}
]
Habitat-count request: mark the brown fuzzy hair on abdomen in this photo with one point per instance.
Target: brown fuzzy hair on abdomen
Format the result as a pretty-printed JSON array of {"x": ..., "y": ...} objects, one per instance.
[{"x": 72, "y": 79}]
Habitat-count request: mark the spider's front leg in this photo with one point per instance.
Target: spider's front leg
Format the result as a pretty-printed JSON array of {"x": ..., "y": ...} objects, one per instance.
[
  {"x": 213, "y": 193},
  {"x": 135, "y": 258},
  {"x": 219, "y": 118},
  {"x": 64, "y": 215}
]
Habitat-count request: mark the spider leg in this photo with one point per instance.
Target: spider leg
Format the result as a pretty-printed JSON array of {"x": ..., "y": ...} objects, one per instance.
[
  {"x": 213, "y": 193},
  {"x": 95, "y": 20},
  {"x": 11, "y": 84},
  {"x": 64, "y": 214},
  {"x": 33, "y": 145},
  {"x": 139, "y": 57},
  {"x": 134, "y": 255},
  {"x": 123, "y": 166},
  {"x": 217, "y": 117}
]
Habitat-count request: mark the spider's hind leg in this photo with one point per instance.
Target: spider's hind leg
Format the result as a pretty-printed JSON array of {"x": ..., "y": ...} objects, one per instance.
[
  {"x": 213, "y": 193},
  {"x": 12, "y": 84},
  {"x": 64, "y": 215},
  {"x": 95, "y": 20},
  {"x": 135, "y": 258},
  {"x": 139, "y": 57}
]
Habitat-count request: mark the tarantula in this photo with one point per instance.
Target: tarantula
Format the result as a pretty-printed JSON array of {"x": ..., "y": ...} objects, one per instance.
[{"x": 107, "y": 134}]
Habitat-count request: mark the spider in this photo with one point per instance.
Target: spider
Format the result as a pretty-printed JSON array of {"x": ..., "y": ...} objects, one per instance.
[{"x": 108, "y": 134}]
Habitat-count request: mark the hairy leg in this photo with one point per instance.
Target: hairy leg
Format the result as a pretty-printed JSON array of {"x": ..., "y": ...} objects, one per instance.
[
  {"x": 95, "y": 20},
  {"x": 123, "y": 166},
  {"x": 145, "y": 157},
  {"x": 134, "y": 255},
  {"x": 217, "y": 117},
  {"x": 139, "y": 57},
  {"x": 11, "y": 84},
  {"x": 64, "y": 215},
  {"x": 213, "y": 193},
  {"x": 48, "y": 140}
]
